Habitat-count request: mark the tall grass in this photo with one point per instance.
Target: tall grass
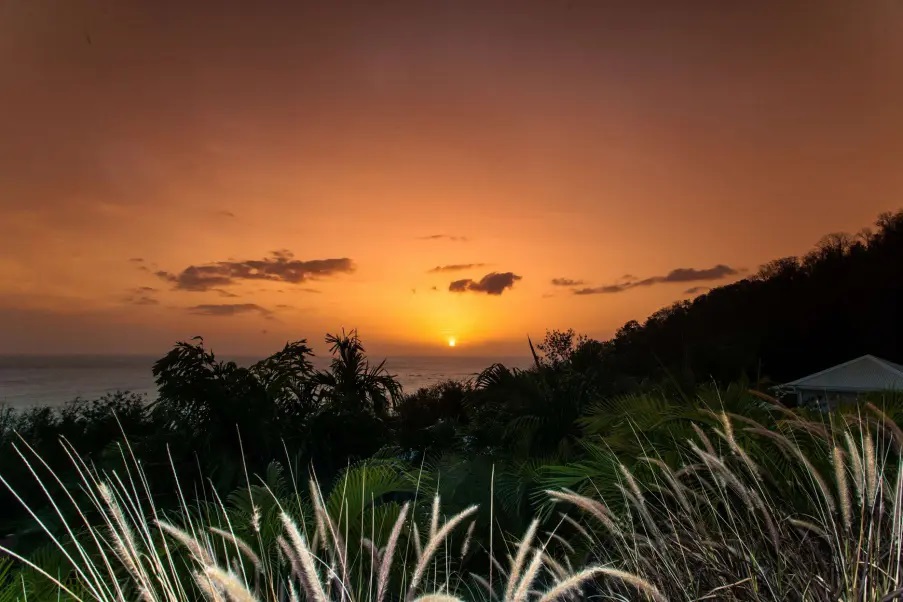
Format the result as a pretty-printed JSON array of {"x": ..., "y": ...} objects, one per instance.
[
  {"x": 818, "y": 520},
  {"x": 135, "y": 552},
  {"x": 802, "y": 509}
]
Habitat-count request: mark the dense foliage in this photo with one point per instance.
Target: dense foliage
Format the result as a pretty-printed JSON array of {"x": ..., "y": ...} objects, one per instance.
[{"x": 734, "y": 497}]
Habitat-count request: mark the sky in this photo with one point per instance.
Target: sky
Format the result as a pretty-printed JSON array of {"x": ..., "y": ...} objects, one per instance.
[{"x": 483, "y": 171}]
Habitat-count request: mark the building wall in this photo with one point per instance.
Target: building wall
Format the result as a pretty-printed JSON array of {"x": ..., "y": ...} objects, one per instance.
[{"x": 826, "y": 400}]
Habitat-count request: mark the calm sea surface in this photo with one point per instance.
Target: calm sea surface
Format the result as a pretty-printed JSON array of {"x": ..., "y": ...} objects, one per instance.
[{"x": 53, "y": 380}]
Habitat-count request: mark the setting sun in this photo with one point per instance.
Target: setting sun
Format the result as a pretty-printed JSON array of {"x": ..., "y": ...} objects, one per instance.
[{"x": 451, "y": 341}]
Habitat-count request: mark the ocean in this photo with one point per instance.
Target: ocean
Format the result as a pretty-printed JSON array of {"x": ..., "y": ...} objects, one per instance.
[{"x": 28, "y": 381}]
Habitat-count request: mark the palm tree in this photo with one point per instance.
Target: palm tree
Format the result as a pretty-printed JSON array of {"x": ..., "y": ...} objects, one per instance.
[
  {"x": 532, "y": 411},
  {"x": 352, "y": 384}
]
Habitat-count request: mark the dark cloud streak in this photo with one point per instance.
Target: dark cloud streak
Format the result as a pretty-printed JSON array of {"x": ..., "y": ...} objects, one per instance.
[
  {"x": 494, "y": 283},
  {"x": 684, "y": 275},
  {"x": 693, "y": 275},
  {"x": 456, "y": 267},
  {"x": 566, "y": 282},
  {"x": 229, "y": 309},
  {"x": 602, "y": 290},
  {"x": 142, "y": 295},
  {"x": 444, "y": 237},
  {"x": 281, "y": 266}
]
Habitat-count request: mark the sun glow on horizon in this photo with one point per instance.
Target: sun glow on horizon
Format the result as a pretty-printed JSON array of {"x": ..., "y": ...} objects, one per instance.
[{"x": 452, "y": 342}]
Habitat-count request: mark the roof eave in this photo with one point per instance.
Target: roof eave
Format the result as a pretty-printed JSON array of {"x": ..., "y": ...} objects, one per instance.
[{"x": 804, "y": 387}]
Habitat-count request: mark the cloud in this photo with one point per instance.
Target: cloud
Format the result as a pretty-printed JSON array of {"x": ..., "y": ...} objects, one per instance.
[
  {"x": 294, "y": 290},
  {"x": 281, "y": 266},
  {"x": 455, "y": 267},
  {"x": 693, "y": 275},
  {"x": 697, "y": 289},
  {"x": 602, "y": 290},
  {"x": 717, "y": 272},
  {"x": 141, "y": 295},
  {"x": 444, "y": 237},
  {"x": 137, "y": 260},
  {"x": 225, "y": 293},
  {"x": 566, "y": 282},
  {"x": 229, "y": 309},
  {"x": 224, "y": 213},
  {"x": 491, "y": 284}
]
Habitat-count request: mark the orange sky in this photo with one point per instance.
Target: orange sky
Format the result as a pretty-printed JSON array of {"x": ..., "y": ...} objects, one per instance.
[{"x": 579, "y": 140}]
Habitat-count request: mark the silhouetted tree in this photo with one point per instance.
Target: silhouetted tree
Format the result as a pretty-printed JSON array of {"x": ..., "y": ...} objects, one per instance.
[{"x": 351, "y": 383}]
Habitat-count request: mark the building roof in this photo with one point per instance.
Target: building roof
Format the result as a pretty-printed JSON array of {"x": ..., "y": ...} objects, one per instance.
[{"x": 866, "y": 373}]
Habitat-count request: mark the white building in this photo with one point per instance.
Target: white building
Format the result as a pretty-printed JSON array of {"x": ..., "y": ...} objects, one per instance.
[{"x": 847, "y": 381}]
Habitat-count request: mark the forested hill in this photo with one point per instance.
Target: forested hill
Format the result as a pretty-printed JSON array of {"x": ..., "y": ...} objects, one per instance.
[{"x": 795, "y": 316}]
